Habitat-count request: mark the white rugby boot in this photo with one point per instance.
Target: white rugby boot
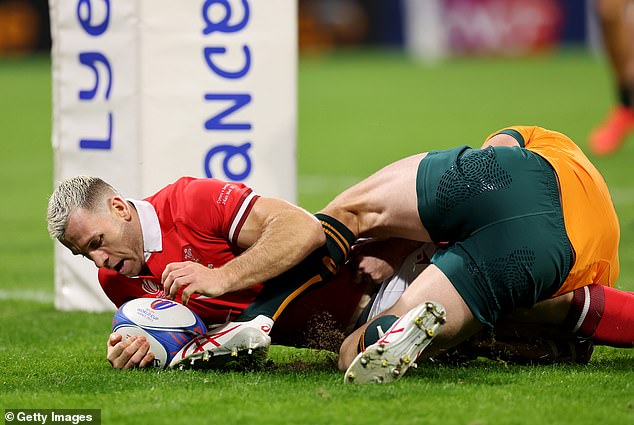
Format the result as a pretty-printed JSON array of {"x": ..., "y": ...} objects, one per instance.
[
  {"x": 233, "y": 345},
  {"x": 389, "y": 358}
]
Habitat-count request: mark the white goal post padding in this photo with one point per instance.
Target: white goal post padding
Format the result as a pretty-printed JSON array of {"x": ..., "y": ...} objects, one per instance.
[{"x": 147, "y": 91}]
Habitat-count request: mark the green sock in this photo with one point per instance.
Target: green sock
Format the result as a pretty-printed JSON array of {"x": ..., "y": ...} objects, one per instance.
[{"x": 375, "y": 330}]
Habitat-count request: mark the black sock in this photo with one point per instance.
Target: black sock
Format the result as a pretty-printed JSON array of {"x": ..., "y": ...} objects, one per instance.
[
  {"x": 339, "y": 239},
  {"x": 320, "y": 266}
]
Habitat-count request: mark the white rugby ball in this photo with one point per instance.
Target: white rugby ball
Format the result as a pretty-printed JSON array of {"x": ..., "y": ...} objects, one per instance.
[{"x": 167, "y": 325}]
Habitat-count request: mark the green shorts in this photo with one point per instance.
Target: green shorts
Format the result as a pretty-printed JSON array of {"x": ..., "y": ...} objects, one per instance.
[{"x": 498, "y": 209}]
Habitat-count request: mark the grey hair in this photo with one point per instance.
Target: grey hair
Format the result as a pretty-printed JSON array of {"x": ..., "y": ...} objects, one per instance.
[{"x": 75, "y": 192}]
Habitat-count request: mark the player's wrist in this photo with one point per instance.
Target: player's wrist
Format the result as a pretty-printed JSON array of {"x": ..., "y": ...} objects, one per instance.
[{"x": 230, "y": 280}]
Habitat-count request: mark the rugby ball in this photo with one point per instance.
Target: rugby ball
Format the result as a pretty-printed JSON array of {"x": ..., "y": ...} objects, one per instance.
[{"x": 165, "y": 324}]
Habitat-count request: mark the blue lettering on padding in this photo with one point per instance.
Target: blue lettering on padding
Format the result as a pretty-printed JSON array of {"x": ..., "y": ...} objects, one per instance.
[
  {"x": 99, "y": 143},
  {"x": 229, "y": 151},
  {"x": 85, "y": 21},
  {"x": 215, "y": 123},
  {"x": 209, "y": 51},
  {"x": 89, "y": 59},
  {"x": 223, "y": 25}
]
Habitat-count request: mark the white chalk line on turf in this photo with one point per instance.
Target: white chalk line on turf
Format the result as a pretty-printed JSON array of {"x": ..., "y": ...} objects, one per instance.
[
  {"x": 36, "y": 296},
  {"x": 311, "y": 184}
]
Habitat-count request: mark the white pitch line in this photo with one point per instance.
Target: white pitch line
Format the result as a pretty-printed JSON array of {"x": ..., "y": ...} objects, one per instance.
[
  {"x": 311, "y": 184},
  {"x": 37, "y": 296}
]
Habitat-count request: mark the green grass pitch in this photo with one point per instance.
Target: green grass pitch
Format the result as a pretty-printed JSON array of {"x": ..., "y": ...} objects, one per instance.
[{"x": 357, "y": 112}]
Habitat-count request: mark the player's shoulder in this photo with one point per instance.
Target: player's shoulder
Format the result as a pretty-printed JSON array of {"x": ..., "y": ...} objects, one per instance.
[
  {"x": 197, "y": 189},
  {"x": 222, "y": 194},
  {"x": 191, "y": 186}
]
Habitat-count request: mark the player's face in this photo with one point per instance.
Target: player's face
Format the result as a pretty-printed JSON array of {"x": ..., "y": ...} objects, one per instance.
[{"x": 111, "y": 238}]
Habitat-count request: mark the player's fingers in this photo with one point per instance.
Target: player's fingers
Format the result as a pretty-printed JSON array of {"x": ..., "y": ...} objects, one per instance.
[
  {"x": 117, "y": 347},
  {"x": 167, "y": 271},
  {"x": 172, "y": 267},
  {"x": 129, "y": 352},
  {"x": 147, "y": 360},
  {"x": 188, "y": 292},
  {"x": 168, "y": 285},
  {"x": 179, "y": 282},
  {"x": 198, "y": 285},
  {"x": 135, "y": 359},
  {"x": 172, "y": 272},
  {"x": 115, "y": 352},
  {"x": 125, "y": 350},
  {"x": 166, "y": 280},
  {"x": 113, "y": 339}
]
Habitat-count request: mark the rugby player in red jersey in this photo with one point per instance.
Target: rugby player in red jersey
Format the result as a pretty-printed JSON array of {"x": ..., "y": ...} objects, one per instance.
[{"x": 191, "y": 231}]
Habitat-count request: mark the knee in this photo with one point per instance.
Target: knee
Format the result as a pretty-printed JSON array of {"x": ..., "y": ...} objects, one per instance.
[
  {"x": 348, "y": 351},
  {"x": 342, "y": 364}
]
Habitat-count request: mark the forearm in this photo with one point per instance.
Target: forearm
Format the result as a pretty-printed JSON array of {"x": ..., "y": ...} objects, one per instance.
[
  {"x": 276, "y": 234},
  {"x": 286, "y": 239}
]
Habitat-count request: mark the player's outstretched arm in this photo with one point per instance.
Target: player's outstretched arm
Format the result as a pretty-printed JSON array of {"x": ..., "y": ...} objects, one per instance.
[{"x": 277, "y": 235}]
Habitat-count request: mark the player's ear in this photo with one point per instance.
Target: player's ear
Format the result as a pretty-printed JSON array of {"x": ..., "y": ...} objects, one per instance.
[{"x": 120, "y": 207}]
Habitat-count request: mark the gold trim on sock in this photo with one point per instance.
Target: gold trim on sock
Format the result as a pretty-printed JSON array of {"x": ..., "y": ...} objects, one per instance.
[{"x": 294, "y": 294}]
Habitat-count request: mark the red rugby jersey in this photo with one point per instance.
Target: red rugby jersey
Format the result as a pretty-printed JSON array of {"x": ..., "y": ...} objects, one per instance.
[{"x": 200, "y": 221}]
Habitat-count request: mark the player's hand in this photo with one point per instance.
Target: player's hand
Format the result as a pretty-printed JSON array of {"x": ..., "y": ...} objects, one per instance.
[
  {"x": 371, "y": 262},
  {"x": 377, "y": 260},
  {"x": 194, "y": 278},
  {"x": 128, "y": 353},
  {"x": 373, "y": 269}
]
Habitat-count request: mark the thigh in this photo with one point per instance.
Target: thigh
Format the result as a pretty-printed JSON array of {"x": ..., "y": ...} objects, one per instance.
[{"x": 508, "y": 265}]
